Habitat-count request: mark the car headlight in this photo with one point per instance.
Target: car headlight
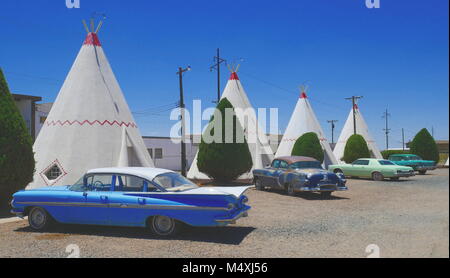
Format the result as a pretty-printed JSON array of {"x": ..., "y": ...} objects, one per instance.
[{"x": 244, "y": 200}]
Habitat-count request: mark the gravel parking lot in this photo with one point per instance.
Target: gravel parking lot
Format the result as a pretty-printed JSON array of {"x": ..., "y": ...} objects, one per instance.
[{"x": 407, "y": 218}]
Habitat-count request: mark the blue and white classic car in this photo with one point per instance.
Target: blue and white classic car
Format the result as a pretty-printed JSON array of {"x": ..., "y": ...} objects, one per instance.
[
  {"x": 159, "y": 199},
  {"x": 298, "y": 173}
]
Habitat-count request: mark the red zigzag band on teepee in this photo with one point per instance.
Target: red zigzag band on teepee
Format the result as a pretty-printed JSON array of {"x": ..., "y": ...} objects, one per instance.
[{"x": 105, "y": 122}]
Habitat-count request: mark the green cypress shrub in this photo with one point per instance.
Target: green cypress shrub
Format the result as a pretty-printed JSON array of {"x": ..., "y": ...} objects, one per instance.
[
  {"x": 308, "y": 145},
  {"x": 356, "y": 148},
  {"x": 222, "y": 161},
  {"x": 16, "y": 147},
  {"x": 424, "y": 146}
]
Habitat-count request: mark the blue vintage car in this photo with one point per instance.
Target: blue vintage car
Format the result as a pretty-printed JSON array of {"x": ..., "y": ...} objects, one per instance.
[
  {"x": 298, "y": 173},
  {"x": 159, "y": 199}
]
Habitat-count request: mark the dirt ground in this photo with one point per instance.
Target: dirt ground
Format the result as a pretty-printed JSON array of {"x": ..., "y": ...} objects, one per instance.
[{"x": 407, "y": 218}]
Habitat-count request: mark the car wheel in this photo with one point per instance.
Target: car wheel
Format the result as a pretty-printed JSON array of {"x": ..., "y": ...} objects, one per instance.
[
  {"x": 164, "y": 226},
  {"x": 423, "y": 172},
  {"x": 326, "y": 194},
  {"x": 258, "y": 185},
  {"x": 290, "y": 189},
  {"x": 39, "y": 219},
  {"x": 377, "y": 176},
  {"x": 338, "y": 171}
]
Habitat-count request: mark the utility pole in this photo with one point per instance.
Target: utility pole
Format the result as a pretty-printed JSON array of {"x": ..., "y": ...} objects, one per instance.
[
  {"x": 354, "y": 100},
  {"x": 403, "y": 138},
  {"x": 332, "y": 129},
  {"x": 183, "y": 121},
  {"x": 387, "y": 130},
  {"x": 216, "y": 66}
]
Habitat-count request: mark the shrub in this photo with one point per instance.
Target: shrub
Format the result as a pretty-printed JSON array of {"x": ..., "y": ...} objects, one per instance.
[
  {"x": 308, "y": 145},
  {"x": 16, "y": 150},
  {"x": 223, "y": 161},
  {"x": 388, "y": 153},
  {"x": 424, "y": 146},
  {"x": 356, "y": 148}
]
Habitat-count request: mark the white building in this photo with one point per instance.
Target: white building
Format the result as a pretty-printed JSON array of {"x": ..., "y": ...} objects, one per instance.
[{"x": 28, "y": 107}]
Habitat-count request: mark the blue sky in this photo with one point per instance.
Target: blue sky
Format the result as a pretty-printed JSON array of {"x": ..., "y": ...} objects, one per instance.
[{"x": 395, "y": 56}]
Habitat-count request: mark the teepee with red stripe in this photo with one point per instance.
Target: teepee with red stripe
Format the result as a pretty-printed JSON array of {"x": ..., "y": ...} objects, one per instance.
[
  {"x": 257, "y": 140},
  {"x": 361, "y": 129},
  {"x": 304, "y": 120},
  {"x": 90, "y": 124}
]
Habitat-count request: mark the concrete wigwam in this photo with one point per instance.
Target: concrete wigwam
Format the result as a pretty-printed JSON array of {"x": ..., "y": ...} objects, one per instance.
[
  {"x": 361, "y": 129},
  {"x": 257, "y": 140},
  {"x": 304, "y": 120},
  {"x": 90, "y": 124}
]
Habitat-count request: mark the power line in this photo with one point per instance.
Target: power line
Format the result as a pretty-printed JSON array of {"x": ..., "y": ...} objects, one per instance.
[{"x": 386, "y": 116}]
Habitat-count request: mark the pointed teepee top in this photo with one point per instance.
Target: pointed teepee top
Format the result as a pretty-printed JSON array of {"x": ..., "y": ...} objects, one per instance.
[
  {"x": 233, "y": 69},
  {"x": 234, "y": 76},
  {"x": 92, "y": 37},
  {"x": 303, "y": 90}
]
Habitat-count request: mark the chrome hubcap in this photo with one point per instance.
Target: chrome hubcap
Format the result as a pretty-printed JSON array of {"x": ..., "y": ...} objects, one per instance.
[
  {"x": 163, "y": 224},
  {"x": 38, "y": 218}
]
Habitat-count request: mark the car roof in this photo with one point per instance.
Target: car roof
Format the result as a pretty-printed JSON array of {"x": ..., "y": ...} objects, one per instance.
[
  {"x": 292, "y": 159},
  {"x": 142, "y": 172}
]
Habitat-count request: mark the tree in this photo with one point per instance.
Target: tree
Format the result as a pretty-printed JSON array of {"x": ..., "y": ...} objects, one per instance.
[
  {"x": 16, "y": 147},
  {"x": 356, "y": 148},
  {"x": 222, "y": 160},
  {"x": 424, "y": 146},
  {"x": 308, "y": 145}
]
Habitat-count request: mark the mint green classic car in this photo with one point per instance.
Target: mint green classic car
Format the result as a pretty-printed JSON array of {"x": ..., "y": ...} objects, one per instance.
[
  {"x": 377, "y": 169},
  {"x": 414, "y": 161}
]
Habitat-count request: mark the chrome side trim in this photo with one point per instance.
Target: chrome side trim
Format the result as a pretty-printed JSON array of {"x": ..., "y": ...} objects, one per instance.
[{"x": 124, "y": 206}]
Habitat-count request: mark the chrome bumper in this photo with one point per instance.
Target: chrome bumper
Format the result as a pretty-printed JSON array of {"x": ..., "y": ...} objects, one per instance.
[
  {"x": 404, "y": 175},
  {"x": 18, "y": 214},
  {"x": 427, "y": 168},
  {"x": 233, "y": 219},
  {"x": 322, "y": 188}
]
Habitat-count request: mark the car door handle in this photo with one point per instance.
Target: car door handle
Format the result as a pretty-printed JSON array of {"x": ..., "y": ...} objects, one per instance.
[
  {"x": 104, "y": 198},
  {"x": 141, "y": 201}
]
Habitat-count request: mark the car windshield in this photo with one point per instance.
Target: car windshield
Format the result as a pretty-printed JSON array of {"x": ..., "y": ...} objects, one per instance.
[
  {"x": 174, "y": 182},
  {"x": 385, "y": 162},
  {"x": 79, "y": 186},
  {"x": 306, "y": 164}
]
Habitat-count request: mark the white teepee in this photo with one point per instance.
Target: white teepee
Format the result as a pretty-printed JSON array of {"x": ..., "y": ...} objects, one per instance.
[
  {"x": 446, "y": 163},
  {"x": 361, "y": 129},
  {"x": 260, "y": 149},
  {"x": 89, "y": 125},
  {"x": 304, "y": 120}
]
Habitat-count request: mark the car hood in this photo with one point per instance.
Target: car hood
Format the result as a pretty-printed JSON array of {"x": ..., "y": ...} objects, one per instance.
[{"x": 235, "y": 191}]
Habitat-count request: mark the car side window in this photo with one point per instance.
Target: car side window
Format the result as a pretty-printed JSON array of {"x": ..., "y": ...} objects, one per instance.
[
  {"x": 361, "y": 162},
  {"x": 283, "y": 164},
  {"x": 126, "y": 183},
  {"x": 276, "y": 163},
  {"x": 98, "y": 182}
]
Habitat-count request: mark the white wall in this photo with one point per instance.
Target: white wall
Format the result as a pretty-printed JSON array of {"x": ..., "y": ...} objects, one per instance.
[
  {"x": 171, "y": 152},
  {"x": 24, "y": 106}
]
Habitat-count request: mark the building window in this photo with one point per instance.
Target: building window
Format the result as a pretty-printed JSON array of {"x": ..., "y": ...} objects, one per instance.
[
  {"x": 53, "y": 173},
  {"x": 158, "y": 153},
  {"x": 150, "y": 152},
  {"x": 42, "y": 119}
]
